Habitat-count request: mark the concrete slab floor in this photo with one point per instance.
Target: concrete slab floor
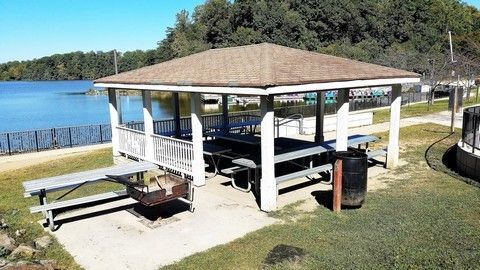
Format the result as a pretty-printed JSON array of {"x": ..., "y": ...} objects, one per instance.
[{"x": 110, "y": 236}]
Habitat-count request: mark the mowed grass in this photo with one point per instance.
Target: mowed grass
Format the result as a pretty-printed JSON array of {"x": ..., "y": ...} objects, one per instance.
[
  {"x": 425, "y": 219},
  {"x": 420, "y": 109},
  {"x": 14, "y": 208}
]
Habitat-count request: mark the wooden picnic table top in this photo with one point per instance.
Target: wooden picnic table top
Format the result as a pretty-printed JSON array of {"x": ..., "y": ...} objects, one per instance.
[{"x": 74, "y": 179}]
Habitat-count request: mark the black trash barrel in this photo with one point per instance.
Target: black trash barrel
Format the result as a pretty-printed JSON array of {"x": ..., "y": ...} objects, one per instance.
[{"x": 354, "y": 180}]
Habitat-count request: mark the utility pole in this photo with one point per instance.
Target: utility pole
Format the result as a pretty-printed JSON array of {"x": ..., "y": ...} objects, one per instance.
[
  {"x": 115, "y": 61},
  {"x": 455, "y": 91}
]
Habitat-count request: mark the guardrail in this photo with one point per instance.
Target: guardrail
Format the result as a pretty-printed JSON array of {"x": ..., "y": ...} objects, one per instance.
[{"x": 470, "y": 127}]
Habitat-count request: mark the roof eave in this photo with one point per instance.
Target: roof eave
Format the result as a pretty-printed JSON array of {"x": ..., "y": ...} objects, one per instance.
[
  {"x": 254, "y": 91},
  {"x": 352, "y": 84}
]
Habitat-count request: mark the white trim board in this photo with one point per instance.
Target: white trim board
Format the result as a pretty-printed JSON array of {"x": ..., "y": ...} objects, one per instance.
[
  {"x": 189, "y": 89},
  {"x": 275, "y": 90},
  {"x": 278, "y": 90}
]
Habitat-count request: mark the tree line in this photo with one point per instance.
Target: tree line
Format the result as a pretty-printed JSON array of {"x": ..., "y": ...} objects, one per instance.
[{"x": 407, "y": 34}]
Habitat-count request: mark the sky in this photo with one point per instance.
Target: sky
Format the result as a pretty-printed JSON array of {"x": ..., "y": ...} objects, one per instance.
[{"x": 35, "y": 28}]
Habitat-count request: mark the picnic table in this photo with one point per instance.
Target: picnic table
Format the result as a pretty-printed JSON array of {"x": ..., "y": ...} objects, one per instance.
[
  {"x": 171, "y": 133},
  {"x": 71, "y": 182},
  {"x": 356, "y": 139},
  {"x": 288, "y": 149},
  {"x": 212, "y": 150},
  {"x": 251, "y": 123},
  {"x": 234, "y": 137}
]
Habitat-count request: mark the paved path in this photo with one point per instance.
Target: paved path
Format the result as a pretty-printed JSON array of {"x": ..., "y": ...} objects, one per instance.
[
  {"x": 441, "y": 118},
  {"x": 24, "y": 160}
]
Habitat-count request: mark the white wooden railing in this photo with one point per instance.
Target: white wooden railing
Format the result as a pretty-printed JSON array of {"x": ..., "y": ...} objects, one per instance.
[
  {"x": 131, "y": 142},
  {"x": 173, "y": 153}
]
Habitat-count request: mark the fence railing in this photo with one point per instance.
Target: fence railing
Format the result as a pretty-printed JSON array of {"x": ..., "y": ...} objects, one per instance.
[
  {"x": 45, "y": 139},
  {"x": 208, "y": 121},
  {"x": 52, "y": 138},
  {"x": 173, "y": 154},
  {"x": 470, "y": 127},
  {"x": 131, "y": 142}
]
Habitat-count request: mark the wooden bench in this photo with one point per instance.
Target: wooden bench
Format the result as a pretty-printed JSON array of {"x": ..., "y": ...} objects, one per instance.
[{"x": 71, "y": 182}]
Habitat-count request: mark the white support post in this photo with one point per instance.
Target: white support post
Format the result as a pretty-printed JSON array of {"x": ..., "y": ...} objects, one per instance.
[
  {"x": 114, "y": 121},
  {"x": 225, "y": 111},
  {"x": 176, "y": 114},
  {"x": 342, "y": 120},
  {"x": 197, "y": 139},
  {"x": 319, "y": 117},
  {"x": 148, "y": 124},
  {"x": 268, "y": 184},
  {"x": 394, "y": 133}
]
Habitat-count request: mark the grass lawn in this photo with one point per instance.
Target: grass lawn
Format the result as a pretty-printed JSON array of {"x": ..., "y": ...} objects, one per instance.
[
  {"x": 424, "y": 219},
  {"x": 419, "y": 109},
  {"x": 14, "y": 208}
]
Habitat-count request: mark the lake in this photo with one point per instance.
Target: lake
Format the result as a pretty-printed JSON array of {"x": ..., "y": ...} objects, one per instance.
[{"x": 48, "y": 104}]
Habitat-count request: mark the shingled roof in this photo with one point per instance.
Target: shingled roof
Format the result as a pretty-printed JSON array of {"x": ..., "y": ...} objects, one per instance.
[{"x": 260, "y": 66}]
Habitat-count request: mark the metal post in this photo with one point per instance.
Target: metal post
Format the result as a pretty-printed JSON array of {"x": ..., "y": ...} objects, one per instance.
[
  {"x": 36, "y": 140},
  {"x": 70, "y": 136},
  {"x": 474, "y": 133},
  {"x": 101, "y": 134},
  {"x": 319, "y": 116},
  {"x": 464, "y": 127},
  {"x": 53, "y": 137},
  {"x": 8, "y": 142},
  {"x": 454, "y": 109},
  {"x": 337, "y": 186}
]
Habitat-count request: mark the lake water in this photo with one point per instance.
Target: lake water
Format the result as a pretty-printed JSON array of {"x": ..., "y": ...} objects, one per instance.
[{"x": 47, "y": 104}]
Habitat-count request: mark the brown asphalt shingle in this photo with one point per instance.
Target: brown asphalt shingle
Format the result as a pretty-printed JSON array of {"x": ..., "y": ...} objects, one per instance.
[{"x": 259, "y": 65}]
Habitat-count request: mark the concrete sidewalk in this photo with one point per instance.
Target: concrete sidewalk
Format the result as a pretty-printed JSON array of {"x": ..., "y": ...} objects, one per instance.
[{"x": 18, "y": 161}]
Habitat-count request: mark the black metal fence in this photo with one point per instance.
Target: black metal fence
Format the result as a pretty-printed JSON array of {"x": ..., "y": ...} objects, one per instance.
[
  {"x": 355, "y": 104},
  {"x": 45, "y": 139},
  {"x": 470, "y": 128}
]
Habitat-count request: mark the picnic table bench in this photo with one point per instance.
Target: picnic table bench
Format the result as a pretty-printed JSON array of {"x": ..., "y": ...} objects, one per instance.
[
  {"x": 40, "y": 187},
  {"x": 212, "y": 150},
  {"x": 284, "y": 156},
  {"x": 286, "y": 152}
]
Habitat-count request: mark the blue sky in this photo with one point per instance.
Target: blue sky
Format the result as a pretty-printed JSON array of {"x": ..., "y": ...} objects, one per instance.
[{"x": 35, "y": 28}]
